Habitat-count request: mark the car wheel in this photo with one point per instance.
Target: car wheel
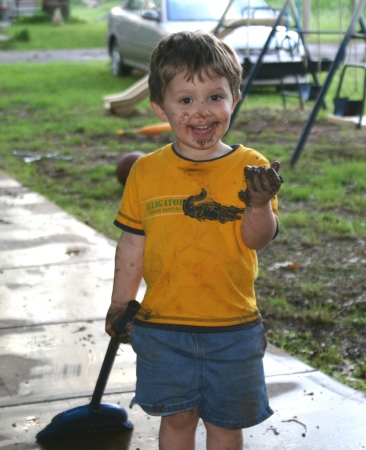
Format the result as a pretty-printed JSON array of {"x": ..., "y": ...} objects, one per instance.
[{"x": 118, "y": 68}]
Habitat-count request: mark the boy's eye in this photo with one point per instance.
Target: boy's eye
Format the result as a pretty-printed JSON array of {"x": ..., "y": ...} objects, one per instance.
[
  {"x": 215, "y": 98},
  {"x": 186, "y": 100}
]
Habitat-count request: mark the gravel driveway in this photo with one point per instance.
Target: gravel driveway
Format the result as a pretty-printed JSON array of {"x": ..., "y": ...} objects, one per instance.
[
  {"x": 354, "y": 52},
  {"x": 94, "y": 54}
]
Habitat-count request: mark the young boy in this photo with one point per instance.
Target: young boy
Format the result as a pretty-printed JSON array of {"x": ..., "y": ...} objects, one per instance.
[{"x": 192, "y": 221}]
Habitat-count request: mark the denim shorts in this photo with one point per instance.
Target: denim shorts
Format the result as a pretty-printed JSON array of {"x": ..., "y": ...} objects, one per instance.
[{"x": 220, "y": 373}]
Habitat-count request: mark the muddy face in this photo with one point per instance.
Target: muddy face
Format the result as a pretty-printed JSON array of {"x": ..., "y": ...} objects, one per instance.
[{"x": 199, "y": 112}]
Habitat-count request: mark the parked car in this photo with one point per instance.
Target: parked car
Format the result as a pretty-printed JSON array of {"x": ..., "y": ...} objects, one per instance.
[{"x": 135, "y": 27}]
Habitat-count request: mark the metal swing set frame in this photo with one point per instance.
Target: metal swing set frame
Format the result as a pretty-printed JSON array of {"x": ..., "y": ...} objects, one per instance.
[{"x": 343, "y": 106}]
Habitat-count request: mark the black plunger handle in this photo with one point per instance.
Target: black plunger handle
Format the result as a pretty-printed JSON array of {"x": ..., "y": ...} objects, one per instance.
[
  {"x": 122, "y": 323},
  {"x": 127, "y": 317}
]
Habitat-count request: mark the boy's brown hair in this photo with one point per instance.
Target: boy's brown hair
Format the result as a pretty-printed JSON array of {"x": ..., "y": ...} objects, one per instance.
[{"x": 196, "y": 53}]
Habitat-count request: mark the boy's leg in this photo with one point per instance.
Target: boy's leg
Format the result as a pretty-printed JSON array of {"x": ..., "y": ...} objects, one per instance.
[
  {"x": 223, "y": 439},
  {"x": 177, "y": 431}
]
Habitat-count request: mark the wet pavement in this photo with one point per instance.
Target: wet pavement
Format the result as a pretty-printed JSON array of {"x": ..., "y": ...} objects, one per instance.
[{"x": 55, "y": 285}]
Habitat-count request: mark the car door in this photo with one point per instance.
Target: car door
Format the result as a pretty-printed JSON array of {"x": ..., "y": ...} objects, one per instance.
[
  {"x": 128, "y": 30},
  {"x": 140, "y": 31},
  {"x": 152, "y": 28}
]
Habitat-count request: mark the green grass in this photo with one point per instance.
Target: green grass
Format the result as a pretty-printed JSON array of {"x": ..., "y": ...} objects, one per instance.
[
  {"x": 45, "y": 36},
  {"x": 86, "y": 27},
  {"x": 314, "y": 310},
  {"x": 58, "y": 108},
  {"x": 327, "y": 17}
]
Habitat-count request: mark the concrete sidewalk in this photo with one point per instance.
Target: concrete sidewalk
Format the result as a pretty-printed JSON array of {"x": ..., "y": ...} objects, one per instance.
[{"x": 55, "y": 285}]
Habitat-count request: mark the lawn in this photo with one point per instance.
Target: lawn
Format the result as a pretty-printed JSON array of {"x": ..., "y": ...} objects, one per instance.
[
  {"x": 58, "y": 140},
  {"x": 86, "y": 27}
]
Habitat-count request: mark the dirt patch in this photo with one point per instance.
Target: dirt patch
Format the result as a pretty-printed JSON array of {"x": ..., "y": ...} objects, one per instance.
[
  {"x": 324, "y": 281},
  {"x": 311, "y": 294}
]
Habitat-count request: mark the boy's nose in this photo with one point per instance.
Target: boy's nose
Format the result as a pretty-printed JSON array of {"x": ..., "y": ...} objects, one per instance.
[{"x": 203, "y": 109}]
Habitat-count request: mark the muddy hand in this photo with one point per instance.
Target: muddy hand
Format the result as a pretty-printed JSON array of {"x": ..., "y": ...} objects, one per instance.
[
  {"x": 262, "y": 185},
  {"x": 113, "y": 315}
]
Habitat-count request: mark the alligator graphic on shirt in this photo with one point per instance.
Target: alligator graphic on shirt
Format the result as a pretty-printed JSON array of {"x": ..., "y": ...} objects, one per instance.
[{"x": 195, "y": 207}]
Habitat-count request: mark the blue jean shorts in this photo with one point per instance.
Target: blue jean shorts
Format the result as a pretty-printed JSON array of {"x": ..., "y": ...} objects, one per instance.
[{"x": 220, "y": 373}]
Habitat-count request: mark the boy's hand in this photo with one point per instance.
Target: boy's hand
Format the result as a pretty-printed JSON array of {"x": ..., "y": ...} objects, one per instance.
[
  {"x": 113, "y": 314},
  {"x": 262, "y": 185}
]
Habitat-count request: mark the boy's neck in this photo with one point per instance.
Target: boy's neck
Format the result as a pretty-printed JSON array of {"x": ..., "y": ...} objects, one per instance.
[{"x": 205, "y": 154}]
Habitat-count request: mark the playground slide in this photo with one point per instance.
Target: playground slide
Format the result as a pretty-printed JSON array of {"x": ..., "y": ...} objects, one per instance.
[{"x": 123, "y": 103}]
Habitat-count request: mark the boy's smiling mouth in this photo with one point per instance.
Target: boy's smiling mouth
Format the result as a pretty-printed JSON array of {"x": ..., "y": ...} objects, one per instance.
[{"x": 203, "y": 130}]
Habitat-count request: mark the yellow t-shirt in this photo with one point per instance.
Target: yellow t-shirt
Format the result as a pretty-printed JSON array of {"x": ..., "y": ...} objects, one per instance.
[{"x": 197, "y": 268}]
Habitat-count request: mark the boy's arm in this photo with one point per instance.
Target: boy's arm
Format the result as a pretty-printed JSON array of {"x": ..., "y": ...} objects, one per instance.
[
  {"x": 127, "y": 275},
  {"x": 259, "y": 224}
]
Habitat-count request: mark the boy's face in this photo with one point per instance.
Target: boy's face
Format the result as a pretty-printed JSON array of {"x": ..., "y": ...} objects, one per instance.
[{"x": 199, "y": 113}]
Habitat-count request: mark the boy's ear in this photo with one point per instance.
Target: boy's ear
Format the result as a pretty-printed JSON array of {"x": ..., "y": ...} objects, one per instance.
[
  {"x": 160, "y": 112},
  {"x": 235, "y": 102}
]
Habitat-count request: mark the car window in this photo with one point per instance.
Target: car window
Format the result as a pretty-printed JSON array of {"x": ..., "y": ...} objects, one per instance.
[
  {"x": 140, "y": 5},
  {"x": 134, "y": 5},
  {"x": 202, "y": 10},
  {"x": 190, "y": 10},
  {"x": 152, "y": 4}
]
